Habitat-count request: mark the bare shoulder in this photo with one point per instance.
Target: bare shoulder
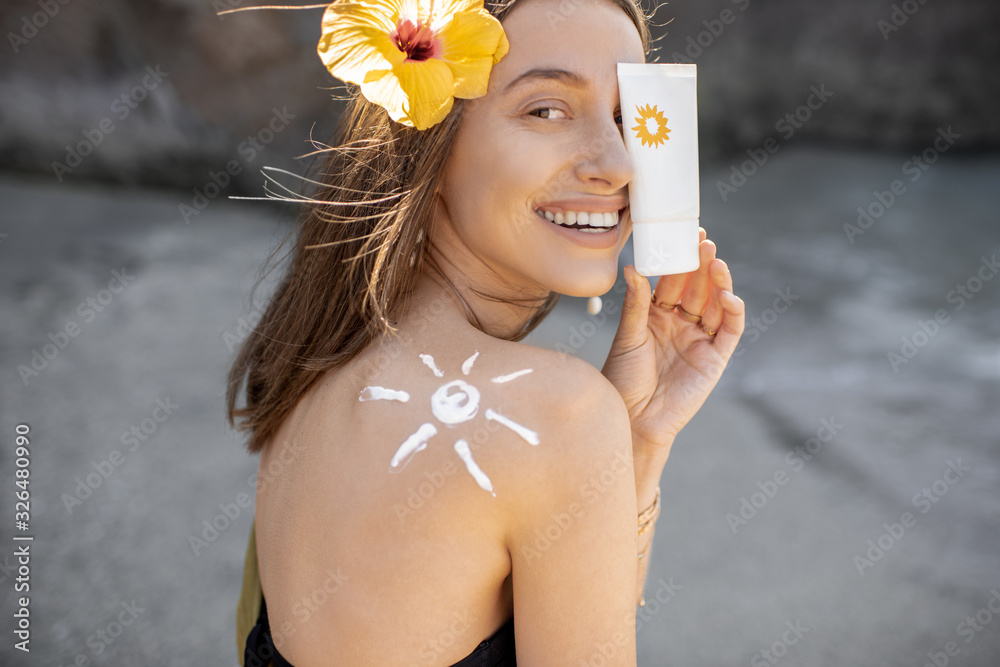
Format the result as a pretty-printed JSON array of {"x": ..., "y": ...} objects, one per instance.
[
  {"x": 523, "y": 419},
  {"x": 554, "y": 386},
  {"x": 579, "y": 421}
]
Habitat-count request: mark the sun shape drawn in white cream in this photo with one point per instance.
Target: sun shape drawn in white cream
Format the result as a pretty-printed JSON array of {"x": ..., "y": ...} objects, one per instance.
[{"x": 452, "y": 403}]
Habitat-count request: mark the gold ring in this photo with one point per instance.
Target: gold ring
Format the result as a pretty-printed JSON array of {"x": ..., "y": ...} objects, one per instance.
[
  {"x": 663, "y": 305},
  {"x": 708, "y": 331},
  {"x": 690, "y": 317}
]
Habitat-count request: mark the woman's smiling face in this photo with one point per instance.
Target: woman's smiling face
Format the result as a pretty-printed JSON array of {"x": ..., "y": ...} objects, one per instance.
[{"x": 545, "y": 139}]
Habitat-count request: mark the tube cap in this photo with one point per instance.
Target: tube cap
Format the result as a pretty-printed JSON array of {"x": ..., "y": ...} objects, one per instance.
[{"x": 665, "y": 247}]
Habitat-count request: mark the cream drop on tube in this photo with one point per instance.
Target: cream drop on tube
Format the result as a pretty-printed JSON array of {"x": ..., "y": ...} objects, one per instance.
[{"x": 660, "y": 122}]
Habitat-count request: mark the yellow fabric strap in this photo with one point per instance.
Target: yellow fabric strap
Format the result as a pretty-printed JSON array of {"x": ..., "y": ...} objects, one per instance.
[{"x": 248, "y": 607}]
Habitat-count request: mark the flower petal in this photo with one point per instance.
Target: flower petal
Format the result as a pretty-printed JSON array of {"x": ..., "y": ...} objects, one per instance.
[
  {"x": 444, "y": 10},
  {"x": 411, "y": 9},
  {"x": 357, "y": 38},
  {"x": 418, "y": 94},
  {"x": 472, "y": 75},
  {"x": 430, "y": 89},
  {"x": 472, "y": 42},
  {"x": 381, "y": 87},
  {"x": 471, "y": 33},
  {"x": 502, "y": 48}
]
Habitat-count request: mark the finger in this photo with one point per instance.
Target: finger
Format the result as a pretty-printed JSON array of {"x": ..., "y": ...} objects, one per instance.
[
  {"x": 733, "y": 321},
  {"x": 635, "y": 310},
  {"x": 722, "y": 280},
  {"x": 699, "y": 285},
  {"x": 668, "y": 289}
]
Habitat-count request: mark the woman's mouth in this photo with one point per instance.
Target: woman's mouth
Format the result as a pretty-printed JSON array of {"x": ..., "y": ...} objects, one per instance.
[{"x": 591, "y": 222}]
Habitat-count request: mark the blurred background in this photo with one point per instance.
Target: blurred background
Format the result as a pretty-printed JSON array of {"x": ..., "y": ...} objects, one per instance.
[{"x": 836, "y": 501}]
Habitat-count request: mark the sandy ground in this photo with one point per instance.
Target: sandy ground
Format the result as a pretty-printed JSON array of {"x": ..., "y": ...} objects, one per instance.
[{"x": 880, "y": 548}]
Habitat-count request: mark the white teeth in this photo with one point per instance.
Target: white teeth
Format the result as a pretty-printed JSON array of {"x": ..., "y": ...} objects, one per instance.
[{"x": 598, "y": 221}]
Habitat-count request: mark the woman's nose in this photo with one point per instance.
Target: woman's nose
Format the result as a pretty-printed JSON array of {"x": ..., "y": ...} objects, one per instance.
[{"x": 604, "y": 158}]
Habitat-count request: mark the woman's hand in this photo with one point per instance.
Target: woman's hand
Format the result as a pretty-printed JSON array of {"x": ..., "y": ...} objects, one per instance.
[{"x": 665, "y": 362}]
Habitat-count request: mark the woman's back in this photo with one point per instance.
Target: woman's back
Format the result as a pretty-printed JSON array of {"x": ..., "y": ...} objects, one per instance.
[{"x": 383, "y": 568}]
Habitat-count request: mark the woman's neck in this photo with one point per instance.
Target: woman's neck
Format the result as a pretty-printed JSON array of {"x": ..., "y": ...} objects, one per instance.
[{"x": 453, "y": 300}]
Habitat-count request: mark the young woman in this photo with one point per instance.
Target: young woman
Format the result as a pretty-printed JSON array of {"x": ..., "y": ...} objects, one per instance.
[{"x": 428, "y": 486}]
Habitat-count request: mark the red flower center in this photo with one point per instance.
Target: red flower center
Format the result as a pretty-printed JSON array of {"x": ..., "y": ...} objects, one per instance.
[{"x": 416, "y": 41}]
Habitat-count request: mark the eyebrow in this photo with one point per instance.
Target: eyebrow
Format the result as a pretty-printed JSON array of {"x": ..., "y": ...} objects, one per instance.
[{"x": 552, "y": 74}]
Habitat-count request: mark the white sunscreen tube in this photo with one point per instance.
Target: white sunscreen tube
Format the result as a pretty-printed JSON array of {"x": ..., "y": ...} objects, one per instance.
[{"x": 660, "y": 121}]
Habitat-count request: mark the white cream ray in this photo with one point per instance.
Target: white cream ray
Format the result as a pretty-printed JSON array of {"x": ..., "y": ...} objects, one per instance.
[
  {"x": 376, "y": 393},
  {"x": 462, "y": 448},
  {"x": 467, "y": 364},
  {"x": 530, "y": 436},
  {"x": 429, "y": 360},
  {"x": 511, "y": 376},
  {"x": 411, "y": 446}
]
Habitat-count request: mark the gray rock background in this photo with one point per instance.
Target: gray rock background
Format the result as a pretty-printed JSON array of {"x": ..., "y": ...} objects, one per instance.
[
  {"x": 720, "y": 592},
  {"x": 225, "y": 76}
]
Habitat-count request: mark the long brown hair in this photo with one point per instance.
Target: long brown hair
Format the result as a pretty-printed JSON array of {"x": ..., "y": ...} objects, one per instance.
[{"x": 359, "y": 252}]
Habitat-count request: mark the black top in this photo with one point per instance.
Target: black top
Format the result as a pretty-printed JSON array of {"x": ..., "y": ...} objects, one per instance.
[{"x": 495, "y": 651}]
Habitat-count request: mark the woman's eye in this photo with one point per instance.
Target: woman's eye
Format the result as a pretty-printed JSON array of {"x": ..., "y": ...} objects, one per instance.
[
  {"x": 618, "y": 119},
  {"x": 545, "y": 112}
]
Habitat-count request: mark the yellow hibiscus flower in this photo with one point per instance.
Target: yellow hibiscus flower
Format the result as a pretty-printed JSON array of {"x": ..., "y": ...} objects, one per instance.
[{"x": 410, "y": 56}]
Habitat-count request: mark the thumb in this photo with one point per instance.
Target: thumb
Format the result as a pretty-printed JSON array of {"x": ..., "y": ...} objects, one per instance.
[{"x": 635, "y": 310}]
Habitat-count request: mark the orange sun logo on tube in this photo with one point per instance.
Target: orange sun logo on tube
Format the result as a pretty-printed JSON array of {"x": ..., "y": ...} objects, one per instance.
[{"x": 647, "y": 116}]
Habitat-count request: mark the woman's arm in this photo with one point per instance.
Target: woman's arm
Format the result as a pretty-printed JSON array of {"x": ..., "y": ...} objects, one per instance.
[
  {"x": 666, "y": 358},
  {"x": 571, "y": 528},
  {"x": 648, "y": 470}
]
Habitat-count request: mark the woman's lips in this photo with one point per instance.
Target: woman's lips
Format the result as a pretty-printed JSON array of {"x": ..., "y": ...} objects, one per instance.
[{"x": 599, "y": 204}]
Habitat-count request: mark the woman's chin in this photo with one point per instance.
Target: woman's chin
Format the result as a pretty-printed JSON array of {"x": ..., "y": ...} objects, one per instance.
[{"x": 594, "y": 282}]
